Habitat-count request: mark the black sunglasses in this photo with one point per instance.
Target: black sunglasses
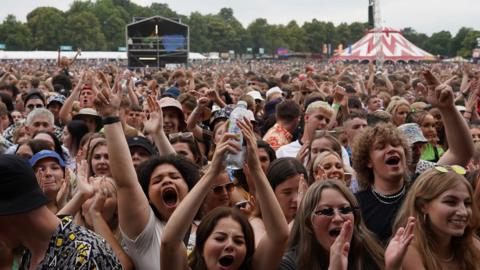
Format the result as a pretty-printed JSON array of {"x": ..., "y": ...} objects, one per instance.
[
  {"x": 32, "y": 106},
  {"x": 330, "y": 212},
  {"x": 219, "y": 189}
]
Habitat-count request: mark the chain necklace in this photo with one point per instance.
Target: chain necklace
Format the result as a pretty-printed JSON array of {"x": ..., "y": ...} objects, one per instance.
[{"x": 388, "y": 199}]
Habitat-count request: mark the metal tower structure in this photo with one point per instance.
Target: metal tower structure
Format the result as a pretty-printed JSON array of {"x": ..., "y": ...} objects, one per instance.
[{"x": 377, "y": 26}]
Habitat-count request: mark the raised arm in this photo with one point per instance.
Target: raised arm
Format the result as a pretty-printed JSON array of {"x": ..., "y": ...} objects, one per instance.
[
  {"x": 133, "y": 206},
  {"x": 131, "y": 91},
  {"x": 195, "y": 117},
  {"x": 58, "y": 57},
  {"x": 270, "y": 250},
  {"x": 173, "y": 253},
  {"x": 79, "y": 51},
  {"x": 371, "y": 77},
  {"x": 65, "y": 113},
  {"x": 84, "y": 191},
  {"x": 101, "y": 227},
  {"x": 458, "y": 135},
  {"x": 154, "y": 127}
]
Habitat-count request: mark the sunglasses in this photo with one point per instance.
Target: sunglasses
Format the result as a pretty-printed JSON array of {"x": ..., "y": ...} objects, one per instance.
[
  {"x": 220, "y": 188},
  {"x": 330, "y": 212},
  {"x": 32, "y": 106},
  {"x": 181, "y": 135},
  {"x": 455, "y": 168}
]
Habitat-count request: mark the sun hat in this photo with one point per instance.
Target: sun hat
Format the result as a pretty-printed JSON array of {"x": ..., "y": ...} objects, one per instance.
[
  {"x": 413, "y": 133},
  {"x": 89, "y": 112},
  {"x": 168, "y": 102}
]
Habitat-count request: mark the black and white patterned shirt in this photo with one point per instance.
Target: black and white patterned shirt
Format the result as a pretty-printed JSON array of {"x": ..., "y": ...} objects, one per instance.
[{"x": 75, "y": 247}]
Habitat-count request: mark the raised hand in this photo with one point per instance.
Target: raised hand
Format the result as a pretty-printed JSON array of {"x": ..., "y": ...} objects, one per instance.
[
  {"x": 84, "y": 186},
  {"x": 107, "y": 102},
  {"x": 397, "y": 247},
  {"x": 339, "y": 249},
  {"x": 96, "y": 208},
  {"x": 64, "y": 190},
  {"x": 154, "y": 125},
  {"x": 339, "y": 95},
  {"x": 441, "y": 96},
  {"x": 302, "y": 154},
  {"x": 228, "y": 144},
  {"x": 251, "y": 143},
  {"x": 302, "y": 188}
]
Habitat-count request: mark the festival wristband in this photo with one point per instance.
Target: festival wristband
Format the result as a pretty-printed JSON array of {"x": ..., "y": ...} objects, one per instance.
[
  {"x": 111, "y": 120},
  {"x": 336, "y": 106}
]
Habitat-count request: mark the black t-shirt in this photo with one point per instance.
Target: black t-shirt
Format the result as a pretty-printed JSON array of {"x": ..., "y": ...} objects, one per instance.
[{"x": 378, "y": 216}]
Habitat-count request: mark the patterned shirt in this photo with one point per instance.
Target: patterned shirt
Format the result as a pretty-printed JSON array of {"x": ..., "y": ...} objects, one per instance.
[
  {"x": 277, "y": 136},
  {"x": 75, "y": 247}
]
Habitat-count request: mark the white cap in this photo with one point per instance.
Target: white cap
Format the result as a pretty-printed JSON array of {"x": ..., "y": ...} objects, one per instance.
[
  {"x": 274, "y": 90},
  {"x": 255, "y": 95}
]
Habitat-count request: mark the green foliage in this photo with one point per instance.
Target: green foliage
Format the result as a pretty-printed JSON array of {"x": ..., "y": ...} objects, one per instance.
[
  {"x": 85, "y": 32},
  {"x": 15, "y": 35},
  {"x": 439, "y": 43},
  {"x": 100, "y": 25},
  {"x": 47, "y": 25}
]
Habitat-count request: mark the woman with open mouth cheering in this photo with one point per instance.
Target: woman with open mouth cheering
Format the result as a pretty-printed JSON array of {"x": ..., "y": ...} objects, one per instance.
[{"x": 225, "y": 239}]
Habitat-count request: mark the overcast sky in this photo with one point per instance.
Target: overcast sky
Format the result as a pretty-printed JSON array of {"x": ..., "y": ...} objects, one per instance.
[{"x": 425, "y": 16}]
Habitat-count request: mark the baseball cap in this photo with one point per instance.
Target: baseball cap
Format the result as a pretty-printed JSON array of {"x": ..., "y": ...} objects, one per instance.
[
  {"x": 274, "y": 90},
  {"x": 46, "y": 154},
  {"x": 142, "y": 142},
  {"x": 413, "y": 133},
  {"x": 172, "y": 92},
  {"x": 19, "y": 190},
  {"x": 56, "y": 98},
  {"x": 221, "y": 114},
  {"x": 255, "y": 95}
]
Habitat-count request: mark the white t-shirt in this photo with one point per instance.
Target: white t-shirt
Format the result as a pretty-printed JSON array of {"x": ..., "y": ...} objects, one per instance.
[
  {"x": 291, "y": 150},
  {"x": 144, "y": 250}
]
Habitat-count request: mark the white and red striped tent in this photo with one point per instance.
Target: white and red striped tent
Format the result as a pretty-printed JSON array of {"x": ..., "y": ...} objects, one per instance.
[{"x": 384, "y": 43}]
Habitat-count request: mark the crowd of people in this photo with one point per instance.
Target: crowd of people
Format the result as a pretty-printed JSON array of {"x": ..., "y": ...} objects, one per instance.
[{"x": 347, "y": 166}]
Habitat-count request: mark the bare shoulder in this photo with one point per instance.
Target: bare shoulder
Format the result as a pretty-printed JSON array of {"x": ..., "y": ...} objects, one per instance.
[
  {"x": 413, "y": 259},
  {"x": 476, "y": 243}
]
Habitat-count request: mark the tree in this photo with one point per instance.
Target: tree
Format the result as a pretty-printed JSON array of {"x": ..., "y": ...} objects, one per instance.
[
  {"x": 439, "y": 43},
  {"x": 85, "y": 31},
  {"x": 416, "y": 38},
  {"x": 14, "y": 34},
  {"x": 316, "y": 35},
  {"x": 469, "y": 43},
  {"x": 199, "y": 40},
  {"x": 240, "y": 38},
  {"x": 47, "y": 25},
  {"x": 260, "y": 32},
  {"x": 295, "y": 37},
  {"x": 357, "y": 31},
  {"x": 457, "y": 42}
]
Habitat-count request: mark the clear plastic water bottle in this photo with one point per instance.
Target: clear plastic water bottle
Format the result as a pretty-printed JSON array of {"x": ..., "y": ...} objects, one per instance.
[{"x": 236, "y": 161}]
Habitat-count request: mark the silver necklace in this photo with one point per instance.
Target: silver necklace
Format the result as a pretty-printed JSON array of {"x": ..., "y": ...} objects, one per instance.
[{"x": 385, "y": 199}]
